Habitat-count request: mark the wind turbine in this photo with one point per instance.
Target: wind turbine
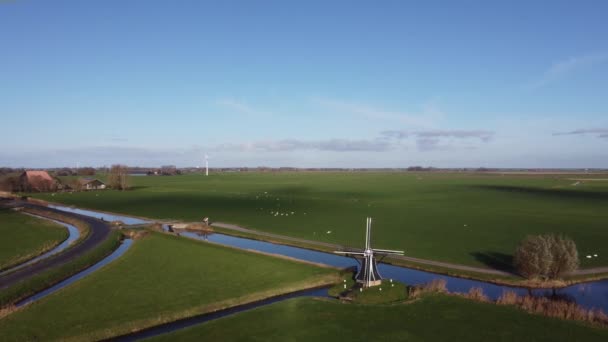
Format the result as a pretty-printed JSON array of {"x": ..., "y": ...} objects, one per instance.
[
  {"x": 206, "y": 165},
  {"x": 368, "y": 274}
]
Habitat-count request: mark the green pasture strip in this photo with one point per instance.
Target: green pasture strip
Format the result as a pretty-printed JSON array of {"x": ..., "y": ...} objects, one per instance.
[
  {"x": 463, "y": 218},
  {"x": 433, "y": 318},
  {"x": 160, "y": 278},
  {"x": 25, "y": 237},
  {"x": 50, "y": 277}
]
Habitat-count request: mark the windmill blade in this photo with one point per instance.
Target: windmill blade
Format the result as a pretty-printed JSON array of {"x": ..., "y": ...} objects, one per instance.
[
  {"x": 387, "y": 251},
  {"x": 344, "y": 252},
  {"x": 368, "y": 233},
  {"x": 354, "y": 250}
]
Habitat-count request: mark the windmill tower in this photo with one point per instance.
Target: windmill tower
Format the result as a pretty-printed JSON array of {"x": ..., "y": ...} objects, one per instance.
[
  {"x": 206, "y": 165},
  {"x": 368, "y": 274}
]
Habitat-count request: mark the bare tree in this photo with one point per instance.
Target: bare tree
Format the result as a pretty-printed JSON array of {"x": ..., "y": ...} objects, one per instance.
[
  {"x": 533, "y": 256},
  {"x": 546, "y": 256},
  {"x": 119, "y": 177},
  {"x": 75, "y": 184},
  {"x": 86, "y": 171},
  {"x": 565, "y": 256},
  {"x": 10, "y": 184}
]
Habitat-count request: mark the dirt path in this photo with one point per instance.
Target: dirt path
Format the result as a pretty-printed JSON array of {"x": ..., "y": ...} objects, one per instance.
[
  {"x": 589, "y": 271},
  {"x": 98, "y": 233}
]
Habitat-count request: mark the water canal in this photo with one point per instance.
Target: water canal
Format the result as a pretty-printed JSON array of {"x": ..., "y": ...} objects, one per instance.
[
  {"x": 592, "y": 294},
  {"x": 73, "y": 235},
  {"x": 113, "y": 256}
]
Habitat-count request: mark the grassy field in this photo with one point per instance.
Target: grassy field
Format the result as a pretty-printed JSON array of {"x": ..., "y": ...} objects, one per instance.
[
  {"x": 434, "y": 318},
  {"x": 52, "y": 276},
  {"x": 160, "y": 278},
  {"x": 388, "y": 292},
  {"x": 24, "y": 237},
  {"x": 473, "y": 219}
]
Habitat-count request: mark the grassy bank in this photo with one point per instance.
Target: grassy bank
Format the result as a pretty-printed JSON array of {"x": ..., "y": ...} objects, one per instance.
[
  {"x": 24, "y": 237},
  {"x": 160, "y": 278},
  {"x": 46, "y": 279},
  {"x": 388, "y": 292},
  {"x": 432, "y": 318},
  {"x": 470, "y": 219}
]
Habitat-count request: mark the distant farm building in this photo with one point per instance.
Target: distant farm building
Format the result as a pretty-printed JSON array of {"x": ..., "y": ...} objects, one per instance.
[
  {"x": 91, "y": 184},
  {"x": 37, "y": 181}
]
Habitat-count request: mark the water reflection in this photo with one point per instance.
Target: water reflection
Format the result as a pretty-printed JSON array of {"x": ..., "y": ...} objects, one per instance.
[{"x": 104, "y": 216}]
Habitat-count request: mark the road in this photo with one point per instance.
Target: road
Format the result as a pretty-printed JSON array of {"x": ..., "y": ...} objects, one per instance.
[{"x": 99, "y": 231}]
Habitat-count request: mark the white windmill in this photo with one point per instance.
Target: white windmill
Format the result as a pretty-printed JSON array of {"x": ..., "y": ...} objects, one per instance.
[{"x": 368, "y": 274}]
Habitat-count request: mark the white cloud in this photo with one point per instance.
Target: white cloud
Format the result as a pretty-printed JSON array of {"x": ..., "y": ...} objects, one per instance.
[
  {"x": 566, "y": 67},
  {"x": 428, "y": 116},
  {"x": 431, "y": 140},
  {"x": 240, "y": 107},
  {"x": 483, "y": 135},
  {"x": 599, "y": 132},
  {"x": 333, "y": 145}
]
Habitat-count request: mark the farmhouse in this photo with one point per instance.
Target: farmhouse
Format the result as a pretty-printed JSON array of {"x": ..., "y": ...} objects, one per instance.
[
  {"x": 91, "y": 184},
  {"x": 38, "y": 181}
]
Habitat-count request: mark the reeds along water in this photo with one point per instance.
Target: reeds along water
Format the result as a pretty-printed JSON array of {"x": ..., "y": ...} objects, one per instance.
[{"x": 540, "y": 305}]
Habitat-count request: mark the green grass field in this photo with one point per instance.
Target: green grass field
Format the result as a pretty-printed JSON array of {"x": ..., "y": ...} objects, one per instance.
[
  {"x": 41, "y": 281},
  {"x": 24, "y": 237},
  {"x": 434, "y": 318},
  {"x": 473, "y": 219},
  {"x": 161, "y": 278}
]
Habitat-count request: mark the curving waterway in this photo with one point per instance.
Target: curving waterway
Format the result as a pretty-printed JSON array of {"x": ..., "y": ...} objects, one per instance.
[
  {"x": 104, "y": 216},
  {"x": 74, "y": 234},
  {"x": 113, "y": 256},
  {"x": 589, "y": 295},
  {"x": 198, "y": 319},
  {"x": 592, "y": 294}
]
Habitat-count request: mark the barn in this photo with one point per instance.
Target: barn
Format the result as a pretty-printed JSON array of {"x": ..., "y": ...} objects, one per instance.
[{"x": 37, "y": 181}]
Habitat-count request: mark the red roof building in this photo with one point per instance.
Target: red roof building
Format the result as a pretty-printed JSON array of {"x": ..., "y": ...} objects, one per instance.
[{"x": 37, "y": 181}]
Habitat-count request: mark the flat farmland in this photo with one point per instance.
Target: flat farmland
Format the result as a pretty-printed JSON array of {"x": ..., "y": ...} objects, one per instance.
[
  {"x": 25, "y": 237},
  {"x": 308, "y": 319},
  {"x": 161, "y": 278},
  {"x": 467, "y": 218}
]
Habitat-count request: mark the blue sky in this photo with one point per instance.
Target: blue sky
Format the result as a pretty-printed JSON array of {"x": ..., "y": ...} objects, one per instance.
[{"x": 304, "y": 83}]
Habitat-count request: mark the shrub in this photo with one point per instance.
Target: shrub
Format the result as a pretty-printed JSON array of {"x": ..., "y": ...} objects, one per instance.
[
  {"x": 508, "y": 298},
  {"x": 557, "y": 308},
  {"x": 476, "y": 293},
  {"x": 7, "y": 310},
  {"x": 436, "y": 285}
]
